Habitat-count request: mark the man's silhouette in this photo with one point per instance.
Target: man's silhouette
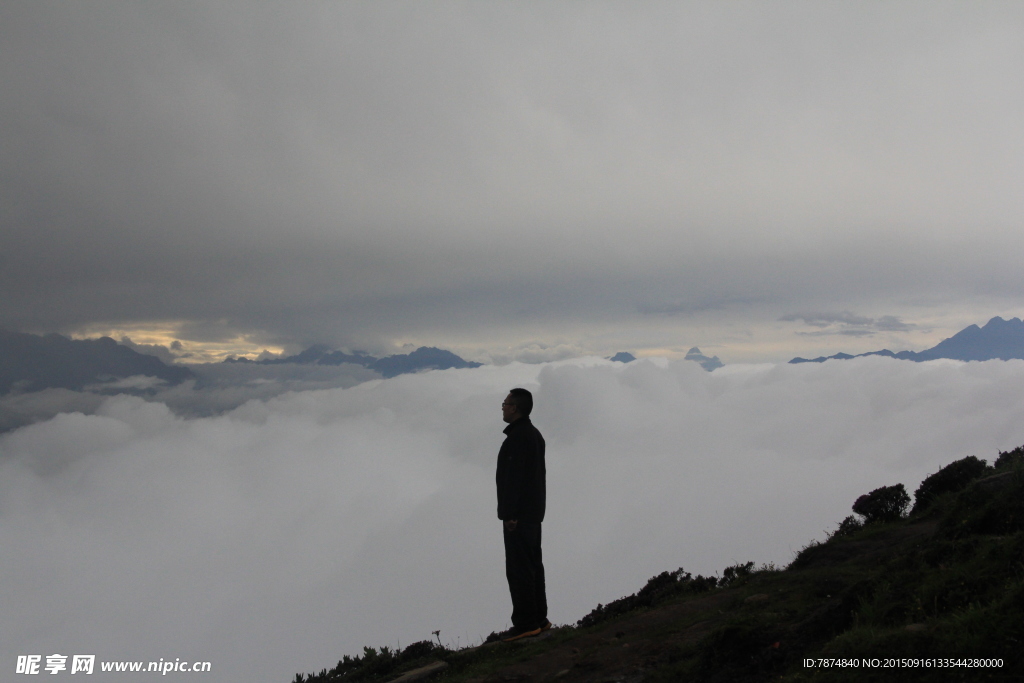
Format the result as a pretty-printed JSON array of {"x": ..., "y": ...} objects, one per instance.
[{"x": 521, "y": 497}]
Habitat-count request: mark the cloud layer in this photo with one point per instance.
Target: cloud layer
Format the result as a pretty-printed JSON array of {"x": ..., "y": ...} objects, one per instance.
[
  {"x": 279, "y": 536},
  {"x": 847, "y": 324},
  {"x": 217, "y": 387}
]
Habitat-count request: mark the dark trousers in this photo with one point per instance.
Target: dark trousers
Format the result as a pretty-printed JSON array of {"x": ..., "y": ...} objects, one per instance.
[{"x": 524, "y": 569}]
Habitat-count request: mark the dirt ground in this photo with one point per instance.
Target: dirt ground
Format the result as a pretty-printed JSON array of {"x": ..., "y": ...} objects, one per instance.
[{"x": 621, "y": 651}]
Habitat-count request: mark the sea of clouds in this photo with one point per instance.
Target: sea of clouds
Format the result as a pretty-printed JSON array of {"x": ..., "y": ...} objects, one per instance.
[
  {"x": 215, "y": 388},
  {"x": 283, "y": 534}
]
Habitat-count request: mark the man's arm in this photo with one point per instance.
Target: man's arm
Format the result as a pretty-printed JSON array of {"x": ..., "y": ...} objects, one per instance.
[
  {"x": 517, "y": 456},
  {"x": 519, "y": 469}
]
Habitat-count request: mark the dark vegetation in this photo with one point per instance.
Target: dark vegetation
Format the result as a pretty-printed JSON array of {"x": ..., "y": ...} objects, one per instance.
[
  {"x": 661, "y": 587},
  {"x": 376, "y": 665},
  {"x": 950, "y": 479},
  {"x": 942, "y": 582},
  {"x": 885, "y": 504}
]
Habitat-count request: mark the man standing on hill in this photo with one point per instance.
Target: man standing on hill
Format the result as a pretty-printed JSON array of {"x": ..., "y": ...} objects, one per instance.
[{"x": 521, "y": 498}]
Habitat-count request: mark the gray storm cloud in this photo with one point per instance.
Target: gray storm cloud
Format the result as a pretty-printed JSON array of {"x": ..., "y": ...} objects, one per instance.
[
  {"x": 367, "y": 173},
  {"x": 848, "y": 324},
  {"x": 284, "y": 534}
]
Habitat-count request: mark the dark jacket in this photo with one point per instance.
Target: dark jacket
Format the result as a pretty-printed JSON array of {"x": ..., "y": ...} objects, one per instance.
[{"x": 521, "y": 473}]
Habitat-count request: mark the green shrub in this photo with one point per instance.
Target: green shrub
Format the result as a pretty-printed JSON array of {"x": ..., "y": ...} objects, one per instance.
[
  {"x": 657, "y": 589},
  {"x": 983, "y": 510},
  {"x": 1010, "y": 458},
  {"x": 741, "y": 650},
  {"x": 374, "y": 664},
  {"x": 738, "y": 571},
  {"x": 847, "y": 527},
  {"x": 885, "y": 504},
  {"x": 952, "y": 478}
]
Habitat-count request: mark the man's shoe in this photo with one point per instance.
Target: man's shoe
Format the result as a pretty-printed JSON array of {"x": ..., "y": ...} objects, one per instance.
[
  {"x": 546, "y": 626},
  {"x": 517, "y": 633}
]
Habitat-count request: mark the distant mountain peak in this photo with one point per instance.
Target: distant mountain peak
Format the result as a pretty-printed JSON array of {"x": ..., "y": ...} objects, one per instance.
[
  {"x": 30, "y": 362},
  {"x": 423, "y": 358},
  {"x": 998, "y": 339},
  {"x": 708, "y": 364},
  {"x": 996, "y": 322}
]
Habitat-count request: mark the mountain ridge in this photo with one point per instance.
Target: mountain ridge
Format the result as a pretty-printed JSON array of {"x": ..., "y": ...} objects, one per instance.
[
  {"x": 31, "y": 362},
  {"x": 999, "y": 339},
  {"x": 423, "y": 358}
]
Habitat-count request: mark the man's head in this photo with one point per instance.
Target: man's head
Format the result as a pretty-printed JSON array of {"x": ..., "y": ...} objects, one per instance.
[{"x": 518, "y": 403}]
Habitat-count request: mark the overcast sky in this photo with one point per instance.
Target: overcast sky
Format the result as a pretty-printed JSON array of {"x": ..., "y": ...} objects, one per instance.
[{"x": 512, "y": 180}]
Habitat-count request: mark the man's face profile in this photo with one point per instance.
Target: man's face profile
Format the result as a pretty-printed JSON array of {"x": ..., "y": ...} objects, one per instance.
[{"x": 509, "y": 410}]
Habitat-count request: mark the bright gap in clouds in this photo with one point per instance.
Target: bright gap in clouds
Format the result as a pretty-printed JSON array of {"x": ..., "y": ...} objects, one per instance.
[{"x": 284, "y": 534}]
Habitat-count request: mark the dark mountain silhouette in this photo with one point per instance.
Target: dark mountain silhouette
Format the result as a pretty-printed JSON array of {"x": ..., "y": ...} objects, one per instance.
[
  {"x": 708, "y": 364},
  {"x": 29, "y": 362},
  {"x": 693, "y": 354},
  {"x": 317, "y": 354},
  {"x": 423, "y": 358},
  {"x": 998, "y": 339}
]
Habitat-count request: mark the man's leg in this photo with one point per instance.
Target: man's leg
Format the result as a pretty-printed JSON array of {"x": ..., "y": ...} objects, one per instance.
[
  {"x": 540, "y": 598},
  {"x": 525, "y": 573}
]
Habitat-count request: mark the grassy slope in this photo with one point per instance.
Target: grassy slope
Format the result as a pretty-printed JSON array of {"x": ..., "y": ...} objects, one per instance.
[{"x": 947, "y": 582}]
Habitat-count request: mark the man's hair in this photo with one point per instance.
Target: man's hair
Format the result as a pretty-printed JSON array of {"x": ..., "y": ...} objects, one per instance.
[{"x": 523, "y": 400}]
